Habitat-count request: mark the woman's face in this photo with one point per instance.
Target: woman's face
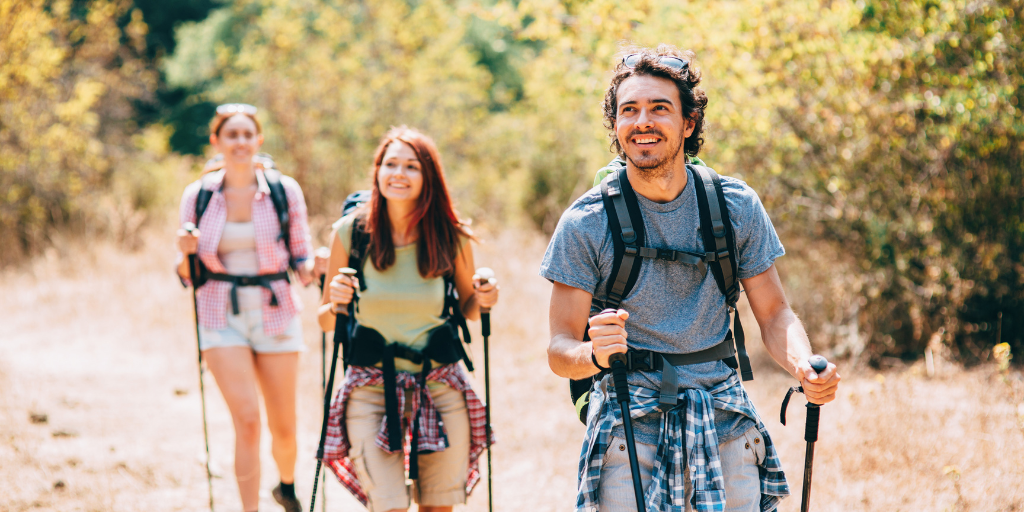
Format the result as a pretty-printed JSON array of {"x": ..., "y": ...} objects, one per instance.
[
  {"x": 237, "y": 140},
  {"x": 400, "y": 177}
]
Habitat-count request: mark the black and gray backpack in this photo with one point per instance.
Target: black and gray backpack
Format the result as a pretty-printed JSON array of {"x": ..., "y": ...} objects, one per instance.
[{"x": 625, "y": 221}]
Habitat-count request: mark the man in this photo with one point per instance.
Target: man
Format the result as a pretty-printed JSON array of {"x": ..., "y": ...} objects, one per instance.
[{"x": 710, "y": 448}]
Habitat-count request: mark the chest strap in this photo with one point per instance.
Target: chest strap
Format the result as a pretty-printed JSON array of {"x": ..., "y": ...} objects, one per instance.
[
  {"x": 649, "y": 360},
  {"x": 263, "y": 280}
]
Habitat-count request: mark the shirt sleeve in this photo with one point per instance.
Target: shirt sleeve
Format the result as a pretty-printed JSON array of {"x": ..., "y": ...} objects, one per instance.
[
  {"x": 757, "y": 243},
  {"x": 186, "y": 213},
  {"x": 572, "y": 256}
]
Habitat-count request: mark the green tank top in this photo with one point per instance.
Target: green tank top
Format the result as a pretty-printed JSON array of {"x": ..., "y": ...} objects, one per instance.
[{"x": 398, "y": 302}]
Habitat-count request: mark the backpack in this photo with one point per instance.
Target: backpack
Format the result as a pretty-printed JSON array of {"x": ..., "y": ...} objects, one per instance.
[
  {"x": 625, "y": 221},
  {"x": 277, "y": 197}
]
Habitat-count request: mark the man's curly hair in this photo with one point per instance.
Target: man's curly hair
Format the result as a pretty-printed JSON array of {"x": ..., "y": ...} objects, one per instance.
[{"x": 694, "y": 101}]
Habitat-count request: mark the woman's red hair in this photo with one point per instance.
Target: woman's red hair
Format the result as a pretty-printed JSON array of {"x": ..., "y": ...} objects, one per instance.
[{"x": 439, "y": 228}]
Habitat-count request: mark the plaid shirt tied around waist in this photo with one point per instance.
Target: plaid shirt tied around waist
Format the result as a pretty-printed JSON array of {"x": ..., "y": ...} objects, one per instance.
[
  {"x": 432, "y": 435},
  {"x": 688, "y": 440}
]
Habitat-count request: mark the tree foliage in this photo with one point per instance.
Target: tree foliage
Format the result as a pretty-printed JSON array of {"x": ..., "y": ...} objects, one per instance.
[
  {"x": 884, "y": 137},
  {"x": 68, "y": 75}
]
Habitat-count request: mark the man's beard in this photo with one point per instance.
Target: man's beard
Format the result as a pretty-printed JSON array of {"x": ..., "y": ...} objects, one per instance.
[{"x": 650, "y": 167}]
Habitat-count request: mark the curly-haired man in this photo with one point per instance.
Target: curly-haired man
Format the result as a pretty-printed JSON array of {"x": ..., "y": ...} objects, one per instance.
[{"x": 710, "y": 450}]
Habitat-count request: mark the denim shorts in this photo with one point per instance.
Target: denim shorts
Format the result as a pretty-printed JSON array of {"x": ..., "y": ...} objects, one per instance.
[
  {"x": 246, "y": 330},
  {"x": 739, "y": 456}
]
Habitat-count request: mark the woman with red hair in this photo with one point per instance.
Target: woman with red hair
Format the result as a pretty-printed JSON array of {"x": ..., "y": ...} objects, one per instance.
[{"x": 404, "y": 386}]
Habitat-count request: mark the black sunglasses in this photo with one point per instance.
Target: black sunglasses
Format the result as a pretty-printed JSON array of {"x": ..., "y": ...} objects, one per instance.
[
  {"x": 228, "y": 109},
  {"x": 631, "y": 60}
]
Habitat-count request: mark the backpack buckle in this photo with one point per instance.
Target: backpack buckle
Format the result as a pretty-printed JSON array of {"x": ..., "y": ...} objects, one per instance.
[
  {"x": 642, "y": 360},
  {"x": 710, "y": 256},
  {"x": 631, "y": 250}
]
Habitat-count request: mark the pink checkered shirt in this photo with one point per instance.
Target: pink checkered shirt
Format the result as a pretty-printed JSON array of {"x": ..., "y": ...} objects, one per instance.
[
  {"x": 213, "y": 297},
  {"x": 432, "y": 434}
]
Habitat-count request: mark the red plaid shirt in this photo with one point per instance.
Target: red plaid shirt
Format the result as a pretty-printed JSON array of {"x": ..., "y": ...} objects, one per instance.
[
  {"x": 213, "y": 297},
  {"x": 432, "y": 434}
]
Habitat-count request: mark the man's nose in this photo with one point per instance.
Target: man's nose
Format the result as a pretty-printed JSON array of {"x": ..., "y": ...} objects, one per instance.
[{"x": 644, "y": 120}]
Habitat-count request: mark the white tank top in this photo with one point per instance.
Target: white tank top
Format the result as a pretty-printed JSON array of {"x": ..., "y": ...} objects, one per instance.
[{"x": 237, "y": 250}]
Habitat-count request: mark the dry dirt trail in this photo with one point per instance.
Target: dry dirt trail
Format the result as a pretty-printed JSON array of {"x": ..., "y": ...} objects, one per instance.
[{"x": 100, "y": 410}]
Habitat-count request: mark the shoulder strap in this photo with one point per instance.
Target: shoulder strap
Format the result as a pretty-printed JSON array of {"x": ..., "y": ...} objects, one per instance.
[
  {"x": 627, "y": 227},
  {"x": 357, "y": 249},
  {"x": 280, "y": 200},
  {"x": 719, "y": 244},
  {"x": 203, "y": 199},
  {"x": 720, "y": 249}
]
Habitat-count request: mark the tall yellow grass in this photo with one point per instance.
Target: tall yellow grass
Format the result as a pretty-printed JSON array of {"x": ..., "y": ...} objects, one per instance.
[{"x": 103, "y": 344}]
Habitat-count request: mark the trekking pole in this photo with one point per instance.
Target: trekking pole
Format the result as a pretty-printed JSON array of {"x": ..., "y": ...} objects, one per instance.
[
  {"x": 618, "y": 362},
  {"x": 340, "y": 334},
  {"x": 819, "y": 364},
  {"x": 323, "y": 252},
  {"x": 486, "y": 274},
  {"x": 193, "y": 273}
]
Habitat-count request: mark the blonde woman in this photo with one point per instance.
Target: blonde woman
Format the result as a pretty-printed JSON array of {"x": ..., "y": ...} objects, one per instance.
[{"x": 249, "y": 330}]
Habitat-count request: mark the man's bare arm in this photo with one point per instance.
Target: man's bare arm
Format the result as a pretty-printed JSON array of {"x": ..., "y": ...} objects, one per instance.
[
  {"x": 784, "y": 336},
  {"x": 568, "y": 355}
]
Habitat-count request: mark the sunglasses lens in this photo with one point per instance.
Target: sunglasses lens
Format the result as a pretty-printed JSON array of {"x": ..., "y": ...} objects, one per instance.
[
  {"x": 631, "y": 60},
  {"x": 674, "y": 63}
]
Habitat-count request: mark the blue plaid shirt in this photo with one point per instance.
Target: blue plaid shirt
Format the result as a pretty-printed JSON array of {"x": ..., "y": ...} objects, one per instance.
[{"x": 693, "y": 418}]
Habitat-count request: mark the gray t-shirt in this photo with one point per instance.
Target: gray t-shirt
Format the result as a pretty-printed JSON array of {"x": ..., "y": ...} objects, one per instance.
[{"x": 672, "y": 308}]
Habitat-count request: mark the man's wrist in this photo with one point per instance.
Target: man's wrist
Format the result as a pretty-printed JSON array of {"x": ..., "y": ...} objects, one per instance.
[{"x": 593, "y": 358}]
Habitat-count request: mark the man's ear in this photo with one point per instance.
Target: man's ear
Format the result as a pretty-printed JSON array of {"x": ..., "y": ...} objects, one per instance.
[
  {"x": 213, "y": 139},
  {"x": 691, "y": 124}
]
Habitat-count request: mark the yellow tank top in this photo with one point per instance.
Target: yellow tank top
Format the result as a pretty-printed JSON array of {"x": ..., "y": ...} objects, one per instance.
[{"x": 398, "y": 302}]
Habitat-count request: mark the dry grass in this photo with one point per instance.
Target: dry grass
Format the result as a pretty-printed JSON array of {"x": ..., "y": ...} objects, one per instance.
[{"x": 103, "y": 344}]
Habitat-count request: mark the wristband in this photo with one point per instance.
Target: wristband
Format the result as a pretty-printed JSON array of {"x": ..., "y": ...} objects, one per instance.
[{"x": 594, "y": 359}]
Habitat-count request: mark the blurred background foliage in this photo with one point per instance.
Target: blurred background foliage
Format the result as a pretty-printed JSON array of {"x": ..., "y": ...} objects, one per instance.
[{"x": 885, "y": 137}]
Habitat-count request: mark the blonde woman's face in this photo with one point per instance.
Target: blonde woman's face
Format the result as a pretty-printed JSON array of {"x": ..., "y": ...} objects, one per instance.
[
  {"x": 401, "y": 176},
  {"x": 238, "y": 139}
]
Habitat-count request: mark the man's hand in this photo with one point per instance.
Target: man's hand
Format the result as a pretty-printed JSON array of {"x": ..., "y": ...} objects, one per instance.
[
  {"x": 608, "y": 335},
  {"x": 818, "y": 388}
]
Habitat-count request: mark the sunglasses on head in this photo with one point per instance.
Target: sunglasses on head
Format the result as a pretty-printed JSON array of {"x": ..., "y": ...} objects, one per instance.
[
  {"x": 228, "y": 109},
  {"x": 631, "y": 60}
]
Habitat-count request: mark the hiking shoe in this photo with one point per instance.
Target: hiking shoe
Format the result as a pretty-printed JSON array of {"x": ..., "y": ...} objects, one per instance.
[{"x": 289, "y": 504}]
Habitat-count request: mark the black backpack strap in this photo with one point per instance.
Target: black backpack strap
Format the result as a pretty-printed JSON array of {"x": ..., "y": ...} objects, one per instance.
[
  {"x": 357, "y": 249},
  {"x": 451, "y": 312},
  {"x": 203, "y": 198},
  {"x": 280, "y": 200},
  {"x": 720, "y": 246},
  {"x": 202, "y": 201},
  {"x": 627, "y": 227}
]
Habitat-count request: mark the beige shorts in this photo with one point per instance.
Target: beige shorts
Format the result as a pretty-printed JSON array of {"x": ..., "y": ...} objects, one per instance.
[{"x": 442, "y": 475}]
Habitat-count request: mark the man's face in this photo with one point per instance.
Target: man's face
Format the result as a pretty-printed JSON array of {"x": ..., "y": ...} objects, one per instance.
[{"x": 649, "y": 122}]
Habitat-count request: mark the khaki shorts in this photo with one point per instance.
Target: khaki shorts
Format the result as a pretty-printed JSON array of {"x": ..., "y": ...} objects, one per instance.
[{"x": 442, "y": 478}]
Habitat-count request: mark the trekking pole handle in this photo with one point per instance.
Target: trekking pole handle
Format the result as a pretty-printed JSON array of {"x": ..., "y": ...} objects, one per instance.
[
  {"x": 350, "y": 272},
  {"x": 191, "y": 228},
  {"x": 484, "y": 275},
  {"x": 819, "y": 364}
]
